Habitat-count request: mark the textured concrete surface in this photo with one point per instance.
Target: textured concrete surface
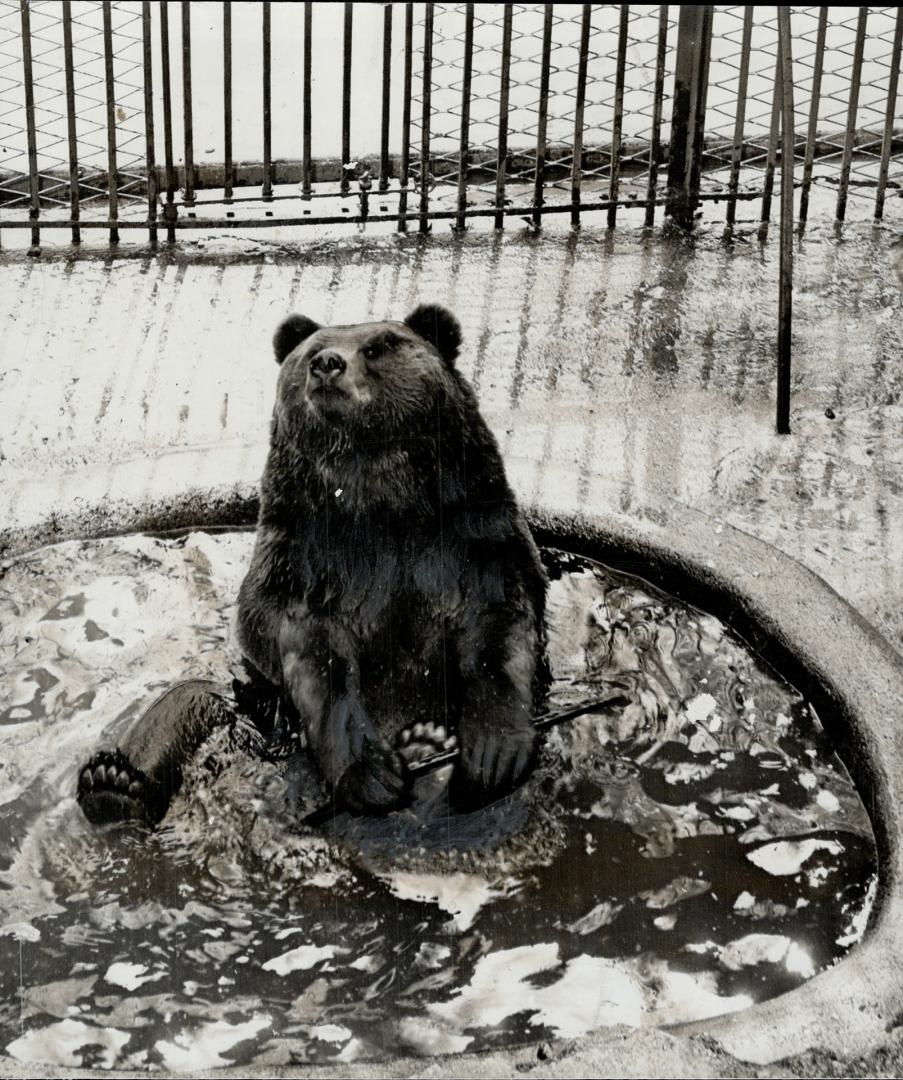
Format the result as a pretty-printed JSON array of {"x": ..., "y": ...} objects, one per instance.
[{"x": 624, "y": 374}]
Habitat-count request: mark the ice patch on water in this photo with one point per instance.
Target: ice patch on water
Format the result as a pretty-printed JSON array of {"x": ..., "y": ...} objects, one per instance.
[
  {"x": 301, "y": 959},
  {"x": 461, "y": 895},
  {"x": 590, "y": 993},
  {"x": 828, "y": 801},
  {"x": 130, "y": 976},
  {"x": 700, "y": 708},
  {"x": 787, "y": 856},
  {"x": 22, "y": 931},
  {"x": 203, "y": 1047},
  {"x": 59, "y": 1044},
  {"x": 754, "y": 949}
]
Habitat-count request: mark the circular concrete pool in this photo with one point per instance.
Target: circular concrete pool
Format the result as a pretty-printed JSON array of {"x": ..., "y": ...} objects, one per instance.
[{"x": 695, "y": 853}]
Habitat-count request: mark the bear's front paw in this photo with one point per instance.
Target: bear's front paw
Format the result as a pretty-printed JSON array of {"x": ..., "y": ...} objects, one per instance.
[
  {"x": 111, "y": 789},
  {"x": 492, "y": 762},
  {"x": 376, "y": 784}
]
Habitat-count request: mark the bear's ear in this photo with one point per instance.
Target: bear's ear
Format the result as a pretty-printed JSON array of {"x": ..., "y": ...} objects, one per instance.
[
  {"x": 439, "y": 327},
  {"x": 291, "y": 333}
]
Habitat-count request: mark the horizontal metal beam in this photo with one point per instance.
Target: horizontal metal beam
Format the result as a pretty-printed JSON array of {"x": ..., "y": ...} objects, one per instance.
[{"x": 339, "y": 219}]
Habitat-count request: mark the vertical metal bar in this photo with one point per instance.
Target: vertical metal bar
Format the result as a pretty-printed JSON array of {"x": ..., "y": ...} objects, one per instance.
[
  {"x": 655, "y": 142},
  {"x": 149, "y": 152},
  {"x": 814, "y": 102},
  {"x": 768, "y": 182},
  {"x": 169, "y": 210},
  {"x": 227, "y": 100},
  {"x": 543, "y": 115},
  {"x": 691, "y": 76},
  {"x": 74, "y": 193},
  {"x": 855, "y": 80},
  {"x": 34, "y": 211},
  {"x": 887, "y": 143},
  {"x": 267, "y": 191},
  {"x": 305, "y": 104},
  {"x": 109, "y": 82},
  {"x": 426, "y": 98},
  {"x": 186, "y": 102},
  {"x": 785, "y": 285},
  {"x": 579, "y": 106},
  {"x": 387, "y": 93},
  {"x": 463, "y": 147},
  {"x": 615, "y": 174},
  {"x": 740, "y": 116},
  {"x": 504, "y": 94},
  {"x": 346, "y": 96},
  {"x": 406, "y": 118}
]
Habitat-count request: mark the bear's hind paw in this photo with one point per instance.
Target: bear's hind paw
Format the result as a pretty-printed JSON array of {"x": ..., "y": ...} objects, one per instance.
[
  {"x": 111, "y": 789},
  {"x": 423, "y": 741}
]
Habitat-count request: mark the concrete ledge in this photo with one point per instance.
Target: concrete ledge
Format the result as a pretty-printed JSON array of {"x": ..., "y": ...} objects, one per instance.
[{"x": 810, "y": 635}]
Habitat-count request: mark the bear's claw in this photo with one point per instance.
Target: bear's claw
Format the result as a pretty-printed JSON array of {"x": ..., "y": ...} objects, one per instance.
[{"x": 111, "y": 789}]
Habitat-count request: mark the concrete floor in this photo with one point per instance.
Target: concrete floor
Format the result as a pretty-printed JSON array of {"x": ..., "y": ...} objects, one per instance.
[{"x": 619, "y": 370}]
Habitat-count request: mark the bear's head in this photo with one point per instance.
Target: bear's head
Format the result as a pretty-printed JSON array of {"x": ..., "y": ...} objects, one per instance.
[{"x": 371, "y": 376}]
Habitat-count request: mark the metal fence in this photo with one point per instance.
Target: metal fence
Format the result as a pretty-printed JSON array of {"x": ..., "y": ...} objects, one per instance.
[{"x": 190, "y": 115}]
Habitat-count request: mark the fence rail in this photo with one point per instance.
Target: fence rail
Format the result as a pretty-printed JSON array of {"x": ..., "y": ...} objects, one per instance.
[{"x": 415, "y": 113}]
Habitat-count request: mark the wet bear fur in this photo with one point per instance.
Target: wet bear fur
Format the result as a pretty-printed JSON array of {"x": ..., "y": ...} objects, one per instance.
[{"x": 394, "y": 579}]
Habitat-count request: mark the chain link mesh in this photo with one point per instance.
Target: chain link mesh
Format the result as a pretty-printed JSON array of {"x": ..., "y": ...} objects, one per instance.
[
  {"x": 446, "y": 87},
  {"x": 51, "y": 132},
  {"x": 838, "y": 63},
  {"x": 833, "y": 103}
]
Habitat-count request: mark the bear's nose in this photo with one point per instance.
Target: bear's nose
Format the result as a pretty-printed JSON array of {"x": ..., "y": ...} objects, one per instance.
[{"x": 327, "y": 366}]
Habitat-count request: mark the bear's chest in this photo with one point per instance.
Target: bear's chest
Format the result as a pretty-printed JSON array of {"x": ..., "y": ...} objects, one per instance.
[{"x": 377, "y": 579}]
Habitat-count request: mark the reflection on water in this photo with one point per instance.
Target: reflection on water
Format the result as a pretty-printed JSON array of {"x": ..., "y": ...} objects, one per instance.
[{"x": 694, "y": 852}]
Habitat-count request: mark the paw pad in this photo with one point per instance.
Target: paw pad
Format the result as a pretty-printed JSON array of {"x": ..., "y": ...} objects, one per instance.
[
  {"x": 110, "y": 788},
  {"x": 422, "y": 741}
]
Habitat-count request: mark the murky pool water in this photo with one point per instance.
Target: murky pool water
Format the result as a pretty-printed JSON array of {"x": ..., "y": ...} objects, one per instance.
[{"x": 687, "y": 855}]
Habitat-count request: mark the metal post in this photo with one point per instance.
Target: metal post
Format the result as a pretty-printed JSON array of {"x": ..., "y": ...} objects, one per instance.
[
  {"x": 112, "y": 170},
  {"x": 785, "y": 283},
  {"x": 655, "y": 142},
  {"x": 346, "y": 96},
  {"x": 425, "y": 117},
  {"x": 463, "y": 145},
  {"x": 691, "y": 76},
  {"x": 543, "y": 116},
  {"x": 149, "y": 151},
  {"x": 169, "y": 209},
  {"x": 887, "y": 142},
  {"x": 406, "y": 118},
  {"x": 852, "y": 109},
  {"x": 504, "y": 94},
  {"x": 771, "y": 159},
  {"x": 34, "y": 211},
  {"x": 739, "y": 116},
  {"x": 227, "y": 101},
  {"x": 305, "y": 104},
  {"x": 579, "y": 106},
  {"x": 615, "y": 174},
  {"x": 267, "y": 192},
  {"x": 74, "y": 193},
  {"x": 387, "y": 93},
  {"x": 187, "y": 113},
  {"x": 814, "y": 101}
]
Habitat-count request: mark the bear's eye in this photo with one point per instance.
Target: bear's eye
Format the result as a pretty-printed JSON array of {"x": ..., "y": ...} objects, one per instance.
[{"x": 373, "y": 350}]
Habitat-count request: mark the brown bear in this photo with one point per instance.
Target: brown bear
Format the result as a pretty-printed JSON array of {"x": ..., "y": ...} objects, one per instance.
[{"x": 394, "y": 580}]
